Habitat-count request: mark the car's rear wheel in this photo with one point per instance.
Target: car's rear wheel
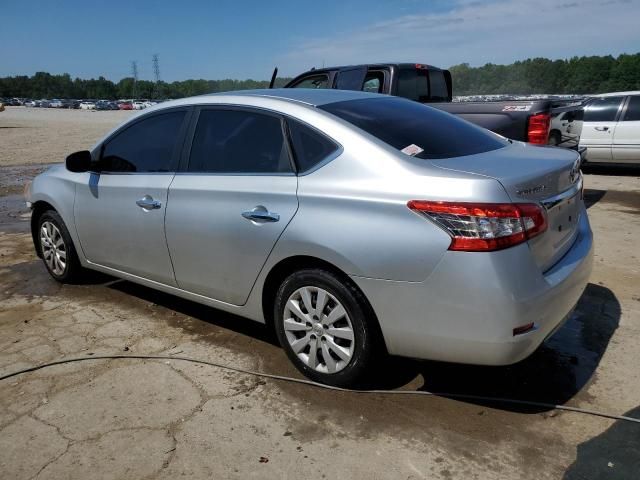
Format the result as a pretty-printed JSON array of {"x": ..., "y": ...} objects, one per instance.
[
  {"x": 57, "y": 250},
  {"x": 323, "y": 324}
]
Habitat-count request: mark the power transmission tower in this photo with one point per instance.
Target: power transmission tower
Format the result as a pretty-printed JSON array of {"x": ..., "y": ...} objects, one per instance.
[
  {"x": 156, "y": 74},
  {"x": 134, "y": 73}
]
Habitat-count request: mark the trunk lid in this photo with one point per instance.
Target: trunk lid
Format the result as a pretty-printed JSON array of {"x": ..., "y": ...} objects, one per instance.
[{"x": 548, "y": 176}]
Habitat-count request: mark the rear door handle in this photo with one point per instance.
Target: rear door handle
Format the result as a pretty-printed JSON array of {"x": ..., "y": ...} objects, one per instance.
[
  {"x": 148, "y": 203},
  {"x": 602, "y": 129},
  {"x": 261, "y": 215}
]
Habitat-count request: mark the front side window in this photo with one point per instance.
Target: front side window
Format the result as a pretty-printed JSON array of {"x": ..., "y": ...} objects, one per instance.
[
  {"x": 310, "y": 147},
  {"x": 633, "y": 109},
  {"x": 602, "y": 109},
  {"x": 415, "y": 129},
  {"x": 146, "y": 146},
  {"x": 239, "y": 141},
  {"x": 315, "y": 81}
]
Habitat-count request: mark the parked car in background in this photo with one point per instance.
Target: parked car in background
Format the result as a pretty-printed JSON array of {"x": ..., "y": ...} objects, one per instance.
[
  {"x": 44, "y": 103},
  {"x": 353, "y": 224},
  {"x": 125, "y": 106},
  {"x": 524, "y": 120},
  {"x": 87, "y": 105},
  {"x": 566, "y": 126},
  {"x": 29, "y": 103},
  {"x": 106, "y": 105},
  {"x": 138, "y": 105},
  {"x": 55, "y": 103},
  {"x": 71, "y": 104},
  {"x": 611, "y": 128}
]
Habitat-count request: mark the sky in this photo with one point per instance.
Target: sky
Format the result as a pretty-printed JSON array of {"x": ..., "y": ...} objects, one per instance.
[{"x": 245, "y": 39}]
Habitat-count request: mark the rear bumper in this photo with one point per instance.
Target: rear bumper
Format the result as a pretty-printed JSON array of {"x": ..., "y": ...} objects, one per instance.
[{"x": 466, "y": 310}]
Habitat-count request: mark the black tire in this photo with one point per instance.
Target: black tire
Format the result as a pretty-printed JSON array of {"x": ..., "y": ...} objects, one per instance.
[
  {"x": 366, "y": 336},
  {"x": 555, "y": 138},
  {"x": 73, "y": 271}
]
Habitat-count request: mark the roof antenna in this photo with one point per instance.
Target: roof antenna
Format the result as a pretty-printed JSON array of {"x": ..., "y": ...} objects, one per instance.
[{"x": 273, "y": 77}]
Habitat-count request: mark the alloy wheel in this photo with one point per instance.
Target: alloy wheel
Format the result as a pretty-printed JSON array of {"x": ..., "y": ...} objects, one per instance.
[
  {"x": 54, "y": 250},
  {"x": 318, "y": 330}
]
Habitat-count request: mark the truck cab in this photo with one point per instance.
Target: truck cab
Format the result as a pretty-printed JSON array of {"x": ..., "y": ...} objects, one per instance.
[{"x": 415, "y": 81}]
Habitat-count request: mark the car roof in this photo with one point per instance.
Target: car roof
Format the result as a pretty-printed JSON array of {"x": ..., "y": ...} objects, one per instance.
[
  {"x": 309, "y": 96},
  {"x": 616, "y": 94}
]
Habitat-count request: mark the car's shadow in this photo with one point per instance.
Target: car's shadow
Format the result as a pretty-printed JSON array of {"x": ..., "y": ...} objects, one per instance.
[
  {"x": 555, "y": 373},
  {"x": 612, "y": 170}
]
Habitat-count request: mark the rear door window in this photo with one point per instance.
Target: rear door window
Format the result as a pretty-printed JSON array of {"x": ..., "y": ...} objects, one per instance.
[
  {"x": 310, "y": 147},
  {"x": 602, "y": 109},
  {"x": 239, "y": 141},
  {"x": 413, "y": 84},
  {"x": 415, "y": 129},
  {"x": 439, "y": 92},
  {"x": 314, "y": 81},
  {"x": 633, "y": 109},
  {"x": 149, "y": 145}
]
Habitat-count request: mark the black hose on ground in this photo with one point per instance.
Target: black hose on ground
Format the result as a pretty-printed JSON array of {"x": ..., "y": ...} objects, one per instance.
[{"x": 459, "y": 396}]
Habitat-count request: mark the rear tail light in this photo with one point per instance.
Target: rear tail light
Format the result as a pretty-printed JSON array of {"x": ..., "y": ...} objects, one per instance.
[
  {"x": 538, "y": 128},
  {"x": 483, "y": 227}
]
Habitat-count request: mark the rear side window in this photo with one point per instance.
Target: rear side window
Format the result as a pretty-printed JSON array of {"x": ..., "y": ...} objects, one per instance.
[
  {"x": 422, "y": 131},
  {"x": 238, "y": 141},
  {"x": 316, "y": 81},
  {"x": 602, "y": 109},
  {"x": 413, "y": 84},
  {"x": 633, "y": 109},
  {"x": 438, "y": 86},
  {"x": 146, "y": 146},
  {"x": 309, "y": 146}
]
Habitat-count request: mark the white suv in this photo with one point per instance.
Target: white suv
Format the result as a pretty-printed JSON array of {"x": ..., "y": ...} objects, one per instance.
[{"x": 611, "y": 128}]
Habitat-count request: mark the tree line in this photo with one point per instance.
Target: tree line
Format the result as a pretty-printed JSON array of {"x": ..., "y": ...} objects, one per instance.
[
  {"x": 46, "y": 85},
  {"x": 579, "y": 75}
]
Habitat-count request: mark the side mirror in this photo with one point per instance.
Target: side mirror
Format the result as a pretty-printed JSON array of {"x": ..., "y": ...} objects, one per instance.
[{"x": 79, "y": 162}]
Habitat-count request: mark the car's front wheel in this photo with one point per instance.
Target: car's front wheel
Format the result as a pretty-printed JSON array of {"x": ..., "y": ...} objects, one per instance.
[
  {"x": 324, "y": 324},
  {"x": 57, "y": 250}
]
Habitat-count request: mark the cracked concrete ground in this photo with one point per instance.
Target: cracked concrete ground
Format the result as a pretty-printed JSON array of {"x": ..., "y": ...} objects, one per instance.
[{"x": 147, "y": 419}]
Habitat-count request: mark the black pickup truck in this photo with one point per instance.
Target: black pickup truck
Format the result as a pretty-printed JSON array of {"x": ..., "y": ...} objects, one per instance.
[{"x": 523, "y": 120}]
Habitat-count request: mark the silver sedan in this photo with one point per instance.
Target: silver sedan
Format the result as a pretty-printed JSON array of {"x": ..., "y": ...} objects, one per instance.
[{"x": 354, "y": 224}]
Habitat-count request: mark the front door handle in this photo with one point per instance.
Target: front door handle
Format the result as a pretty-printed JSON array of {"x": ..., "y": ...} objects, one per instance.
[
  {"x": 260, "y": 215},
  {"x": 602, "y": 129},
  {"x": 148, "y": 203}
]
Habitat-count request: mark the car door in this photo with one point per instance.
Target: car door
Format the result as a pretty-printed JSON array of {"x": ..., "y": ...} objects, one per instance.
[
  {"x": 599, "y": 123},
  {"x": 119, "y": 212},
  {"x": 626, "y": 138},
  {"x": 228, "y": 207}
]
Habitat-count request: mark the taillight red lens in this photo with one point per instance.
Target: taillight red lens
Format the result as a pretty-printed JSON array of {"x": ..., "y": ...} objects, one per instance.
[
  {"x": 482, "y": 227},
  {"x": 538, "y": 128}
]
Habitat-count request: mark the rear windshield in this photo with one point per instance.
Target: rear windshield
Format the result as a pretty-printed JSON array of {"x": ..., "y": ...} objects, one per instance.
[{"x": 416, "y": 129}]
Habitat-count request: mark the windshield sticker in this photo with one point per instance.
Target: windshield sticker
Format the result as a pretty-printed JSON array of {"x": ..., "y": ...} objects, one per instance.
[
  {"x": 516, "y": 108},
  {"x": 412, "y": 150}
]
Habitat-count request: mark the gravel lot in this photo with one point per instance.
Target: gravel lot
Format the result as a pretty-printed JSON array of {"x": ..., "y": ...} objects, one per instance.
[{"x": 162, "y": 419}]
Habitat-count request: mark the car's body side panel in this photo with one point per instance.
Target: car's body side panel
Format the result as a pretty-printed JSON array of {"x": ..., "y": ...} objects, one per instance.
[
  {"x": 57, "y": 187},
  {"x": 115, "y": 232},
  {"x": 215, "y": 251}
]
